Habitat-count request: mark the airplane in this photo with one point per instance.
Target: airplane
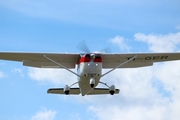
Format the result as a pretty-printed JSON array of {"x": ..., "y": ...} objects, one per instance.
[{"x": 89, "y": 67}]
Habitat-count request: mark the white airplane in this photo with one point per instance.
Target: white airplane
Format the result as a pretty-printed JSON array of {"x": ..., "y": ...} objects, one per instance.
[{"x": 89, "y": 67}]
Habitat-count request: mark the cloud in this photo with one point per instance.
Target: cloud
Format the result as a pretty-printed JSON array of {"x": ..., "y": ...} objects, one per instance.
[
  {"x": 99, "y": 13},
  {"x": 160, "y": 43},
  {"x": 121, "y": 42},
  {"x": 54, "y": 76},
  {"x": 17, "y": 71},
  {"x": 178, "y": 27},
  {"x": 139, "y": 98},
  {"x": 135, "y": 113},
  {"x": 75, "y": 116},
  {"x": 44, "y": 115},
  {"x": 1, "y": 74},
  {"x": 146, "y": 93}
]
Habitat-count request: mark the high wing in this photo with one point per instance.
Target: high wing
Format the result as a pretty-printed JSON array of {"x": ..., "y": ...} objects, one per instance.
[
  {"x": 38, "y": 59},
  {"x": 142, "y": 59},
  {"x": 70, "y": 60}
]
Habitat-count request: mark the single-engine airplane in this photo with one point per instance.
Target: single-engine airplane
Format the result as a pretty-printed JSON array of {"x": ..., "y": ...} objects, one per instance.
[{"x": 89, "y": 67}]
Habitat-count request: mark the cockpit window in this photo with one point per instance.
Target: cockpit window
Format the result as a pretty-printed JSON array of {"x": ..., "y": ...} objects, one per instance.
[
  {"x": 88, "y": 56},
  {"x": 97, "y": 56}
]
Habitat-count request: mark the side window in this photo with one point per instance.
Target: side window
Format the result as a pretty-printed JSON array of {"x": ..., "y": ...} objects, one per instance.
[
  {"x": 97, "y": 56},
  {"x": 88, "y": 56}
]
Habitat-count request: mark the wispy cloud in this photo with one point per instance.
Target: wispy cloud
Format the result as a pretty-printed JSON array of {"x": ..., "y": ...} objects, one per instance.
[
  {"x": 93, "y": 12},
  {"x": 17, "y": 71},
  {"x": 139, "y": 99},
  {"x": 178, "y": 27},
  {"x": 44, "y": 114},
  {"x": 1, "y": 74},
  {"x": 160, "y": 43},
  {"x": 75, "y": 116},
  {"x": 54, "y": 76},
  {"x": 121, "y": 42}
]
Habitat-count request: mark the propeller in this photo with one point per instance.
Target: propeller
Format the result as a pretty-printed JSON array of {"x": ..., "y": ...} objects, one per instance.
[
  {"x": 106, "y": 50},
  {"x": 84, "y": 48}
]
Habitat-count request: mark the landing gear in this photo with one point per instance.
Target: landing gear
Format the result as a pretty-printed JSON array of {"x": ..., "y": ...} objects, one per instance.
[
  {"x": 112, "y": 88},
  {"x": 66, "y": 92},
  {"x": 92, "y": 85},
  {"x": 112, "y": 92},
  {"x": 92, "y": 82},
  {"x": 66, "y": 89}
]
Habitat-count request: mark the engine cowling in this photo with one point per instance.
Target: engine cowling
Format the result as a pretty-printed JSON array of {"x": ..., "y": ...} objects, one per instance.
[
  {"x": 66, "y": 89},
  {"x": 112, "y": 89}
]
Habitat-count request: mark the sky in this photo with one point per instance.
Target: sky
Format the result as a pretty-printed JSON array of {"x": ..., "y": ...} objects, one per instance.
[{"x": 125, "y": 26}]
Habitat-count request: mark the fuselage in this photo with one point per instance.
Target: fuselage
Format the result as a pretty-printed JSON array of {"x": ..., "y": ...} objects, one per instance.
[{"x": 89, "y": 68}]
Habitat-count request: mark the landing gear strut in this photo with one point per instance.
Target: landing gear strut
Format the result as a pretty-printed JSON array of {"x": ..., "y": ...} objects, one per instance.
[
  {"x": 92, "y": 82},
  {"x": 112, "y": 88},
  {"x": 67, "y": 88}
]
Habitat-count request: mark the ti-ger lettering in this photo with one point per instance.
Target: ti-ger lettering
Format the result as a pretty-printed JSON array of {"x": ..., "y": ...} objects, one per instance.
[{"x": 151, "y": 58}]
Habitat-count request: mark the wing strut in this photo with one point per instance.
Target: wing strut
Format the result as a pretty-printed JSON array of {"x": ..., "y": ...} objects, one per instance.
[
  {"x": 61, "y": 65},
  {"x": 119, "y": 65}
]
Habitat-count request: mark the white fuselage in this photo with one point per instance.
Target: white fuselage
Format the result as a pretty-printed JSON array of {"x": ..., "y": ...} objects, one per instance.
[{"x": 87, "y": 71}]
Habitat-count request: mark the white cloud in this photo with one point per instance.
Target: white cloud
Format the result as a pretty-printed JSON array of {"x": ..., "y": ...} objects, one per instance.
[
  {"x": 139, "y": 99},
  {"x": 1, "y": 74},
  {"x": 146, "y": 93},
  {"x": 178, "y": 27},
  {"x": 160, "y": 43},
  {"x": 100, "y": 13},
  {"x": 44, "y": 115},
  {"x": 75, "y": 116},
  {"x": 18, "y": 71},
  {"x": 121, "y": 42},
  {"x": 55, "y": 76},
  {"x": 135, "y": 113}
]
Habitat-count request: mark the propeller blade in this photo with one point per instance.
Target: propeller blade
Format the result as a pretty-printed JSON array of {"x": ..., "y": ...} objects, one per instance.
[
  {"x": 83, "y": 47},
  {"x": 106, "y": 50}
]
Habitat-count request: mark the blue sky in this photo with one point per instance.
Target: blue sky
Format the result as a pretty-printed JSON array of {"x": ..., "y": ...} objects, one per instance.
[{"x": 59, "y": 26}]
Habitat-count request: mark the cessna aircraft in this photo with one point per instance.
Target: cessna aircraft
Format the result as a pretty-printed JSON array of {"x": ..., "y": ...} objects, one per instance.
[{"x": 89, "y": 67}]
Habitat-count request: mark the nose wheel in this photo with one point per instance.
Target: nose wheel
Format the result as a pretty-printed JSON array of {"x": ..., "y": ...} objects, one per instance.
[
  {"x": 92, "y": 82},
  {"x": 92, "y": 85}
]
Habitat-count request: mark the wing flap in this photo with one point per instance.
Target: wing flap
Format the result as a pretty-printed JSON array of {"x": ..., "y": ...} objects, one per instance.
[
  {"x": 47, "y": 64},
  {"x": 38, "y": 59},
  {"x": 98, "y": 91},
  {"x": 128, "y": 65},
  {"x": 73, "y": 91}
]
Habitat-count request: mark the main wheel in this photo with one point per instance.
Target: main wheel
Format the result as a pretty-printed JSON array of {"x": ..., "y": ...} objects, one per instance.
[
  {"x": 66, "y": 92},
  {"x": 112, "y": 92}
]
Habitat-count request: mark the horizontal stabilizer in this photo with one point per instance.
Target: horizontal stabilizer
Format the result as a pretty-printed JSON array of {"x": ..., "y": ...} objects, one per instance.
[
  {"x": 97, "y": 91},
  {"x": 76, "y": 91},
  {"x": 73, "y": 91}
]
